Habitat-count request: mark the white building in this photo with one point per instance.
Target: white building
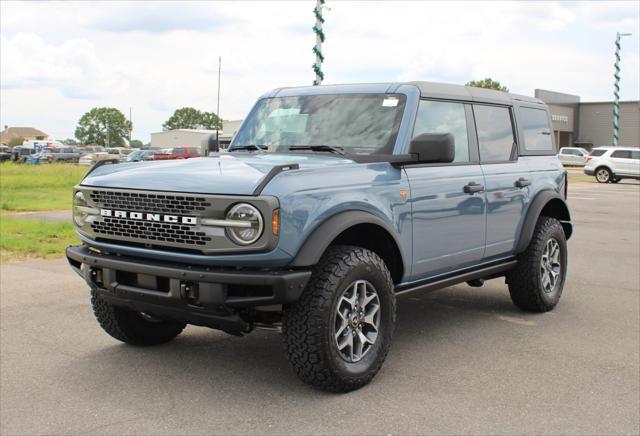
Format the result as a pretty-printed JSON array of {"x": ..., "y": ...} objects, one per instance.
[{"x": 194, "y": 137}]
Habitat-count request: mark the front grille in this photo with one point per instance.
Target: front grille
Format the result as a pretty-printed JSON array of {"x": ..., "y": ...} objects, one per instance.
[
  {"x": 151, "y": 231},
  {"x": 163, "y": 203}
]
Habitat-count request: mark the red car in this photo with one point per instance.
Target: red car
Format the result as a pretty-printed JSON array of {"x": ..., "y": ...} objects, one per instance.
[{"x": 179, "y": 153}]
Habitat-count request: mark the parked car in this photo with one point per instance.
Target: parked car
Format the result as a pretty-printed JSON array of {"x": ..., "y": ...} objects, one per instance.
[
  {"x": 179, "y": 153},
  {"x": 5, "y": 153},
  {"x": 141, "y": 155},
  {"x": 573, "y": 156},
  {"x": 93, "y": 158},
  {"x": 612, "y": 164},
  {"x": 91, "y": 149},
  {"x": 66, "y": 154},
  {"x": 321, "y": 215},
  {"x": 119, "y": 153},
  {"x": 20, "y": 154}
]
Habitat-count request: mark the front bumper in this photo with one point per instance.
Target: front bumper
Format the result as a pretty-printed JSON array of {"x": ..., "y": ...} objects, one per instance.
[{"x": 194, "y": 294}]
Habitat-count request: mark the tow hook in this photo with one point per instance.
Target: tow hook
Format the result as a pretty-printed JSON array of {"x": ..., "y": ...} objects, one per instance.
[{"x": 189, "y": 292}]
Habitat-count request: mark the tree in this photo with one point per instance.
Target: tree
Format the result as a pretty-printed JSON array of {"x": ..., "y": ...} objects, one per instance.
[
  {"x": 15, "y": 141},
  {"x": 136, "y": 143},
  {"x": 488, "y": 83},
  {"x": 190, "y": 118},
  {"x": 104, "y": 126},
  {"x": 70, "y": 141}
]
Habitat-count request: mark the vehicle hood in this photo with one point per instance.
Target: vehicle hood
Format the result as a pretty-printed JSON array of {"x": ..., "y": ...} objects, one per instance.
[{"x": 219, "y": 174}]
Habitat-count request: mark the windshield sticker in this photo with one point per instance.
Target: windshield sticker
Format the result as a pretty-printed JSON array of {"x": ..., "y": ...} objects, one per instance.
[{"x": 390, "y": 102}]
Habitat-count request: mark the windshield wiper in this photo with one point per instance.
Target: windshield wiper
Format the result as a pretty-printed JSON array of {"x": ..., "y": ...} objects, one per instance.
[
  {"x": 249, "y": 147},
  {"x": 329, "y": 148}
]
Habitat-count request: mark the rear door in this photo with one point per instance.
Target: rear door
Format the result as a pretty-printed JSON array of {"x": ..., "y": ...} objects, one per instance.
[
  {"x": 622, "y": 162},
  {"x": 448, "y": 223},
  {"x": 506, "y": 177}
]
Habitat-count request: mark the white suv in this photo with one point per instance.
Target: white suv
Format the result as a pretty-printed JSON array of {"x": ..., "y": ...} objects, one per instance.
[
  {"x": 573, "y": 156},
  {"x": 612, "y": 164}
]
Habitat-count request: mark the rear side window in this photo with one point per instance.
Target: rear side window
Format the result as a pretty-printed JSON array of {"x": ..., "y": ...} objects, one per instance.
[
  {"x": 194, "y": 150},
  {"x": 622, "y": 154},
  {"x": 537, "y": 132},
  {"x": 596, "y": 153},
  {"x": 444, "y": 117},
  {"x": 495, "y": 132},
  {"x": 635, "y": 154}
]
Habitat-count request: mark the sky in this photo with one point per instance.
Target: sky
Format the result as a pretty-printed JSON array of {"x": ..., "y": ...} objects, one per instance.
[{"x": 60, "y": 59}]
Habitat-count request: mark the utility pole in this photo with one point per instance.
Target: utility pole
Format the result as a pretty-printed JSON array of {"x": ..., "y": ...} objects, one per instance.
[
  {"x": 616, "y": 90},
  {"x": 317, "y": 49},
  {"x": 218, "y": 107},
  {"x": 108, "y": 142},
  {"x": 130, "y": 126}
]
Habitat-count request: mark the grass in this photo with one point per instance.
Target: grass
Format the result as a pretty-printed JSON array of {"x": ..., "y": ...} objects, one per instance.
[
  {"x": 38, "y": 187},
  {"x": 25, "y": 239}
]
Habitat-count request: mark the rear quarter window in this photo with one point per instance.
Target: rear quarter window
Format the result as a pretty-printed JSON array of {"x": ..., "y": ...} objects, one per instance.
[
  {"x": 596, "y": 153},
  {"x": 537, "y": 131}
]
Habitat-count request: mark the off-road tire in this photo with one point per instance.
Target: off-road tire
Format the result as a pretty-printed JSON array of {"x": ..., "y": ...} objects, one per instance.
[
  {"x": 131, "y": 327},
  {"x": 525, "y": 282},
  {"x": 309, "y": 324},
  {"x": 603, "y": 175}
]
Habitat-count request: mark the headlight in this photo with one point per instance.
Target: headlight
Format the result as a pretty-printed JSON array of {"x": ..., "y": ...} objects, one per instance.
[
  {"x": 79, "y": 208},
  {"x": 249, "y": 224}
]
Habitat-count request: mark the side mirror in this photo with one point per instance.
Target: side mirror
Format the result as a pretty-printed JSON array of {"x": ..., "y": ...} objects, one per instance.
[
  {"x": 210, "y": 143},
  {"x": 433, "y": 147}
]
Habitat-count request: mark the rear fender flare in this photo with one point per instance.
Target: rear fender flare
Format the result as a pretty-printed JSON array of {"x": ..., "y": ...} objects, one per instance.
[{"x": 539, "y": 202}]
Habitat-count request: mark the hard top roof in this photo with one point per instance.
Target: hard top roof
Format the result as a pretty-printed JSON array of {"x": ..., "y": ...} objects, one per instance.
[{"x": 427, "y": 89}]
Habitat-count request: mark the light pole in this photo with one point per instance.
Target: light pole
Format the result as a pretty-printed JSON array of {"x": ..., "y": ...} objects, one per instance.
[
  {"x": 317, "y": 49},
  {"x": 616, "y": 90}
]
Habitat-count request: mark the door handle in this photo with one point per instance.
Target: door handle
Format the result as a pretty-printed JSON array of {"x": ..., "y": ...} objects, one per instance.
[
  {"x": 472, "y": 188},
  {"x": 522, "y": 182}
]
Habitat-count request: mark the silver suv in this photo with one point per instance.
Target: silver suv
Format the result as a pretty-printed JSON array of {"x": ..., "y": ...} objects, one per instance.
[
  {"x": 573, "y": 156},
  {"x": 612, "y": 164}
]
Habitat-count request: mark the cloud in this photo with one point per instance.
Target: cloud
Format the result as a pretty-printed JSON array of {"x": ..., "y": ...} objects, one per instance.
[{"x": 159, "y": 56}]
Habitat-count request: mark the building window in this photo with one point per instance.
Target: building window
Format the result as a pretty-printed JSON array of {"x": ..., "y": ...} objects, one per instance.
[
  {"x": 495, "y": 132},
  {"x": 444, "y": 117},
  {"x": 536, "y": 129}
]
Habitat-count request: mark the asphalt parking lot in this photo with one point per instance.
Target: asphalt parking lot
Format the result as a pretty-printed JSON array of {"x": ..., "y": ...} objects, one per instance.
[{"x": 464, "y": 360}]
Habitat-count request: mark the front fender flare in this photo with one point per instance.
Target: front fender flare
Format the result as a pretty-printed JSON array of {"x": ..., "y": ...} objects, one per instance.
[
  {"x": 540, "y": 201},
  {"x": 314, "y": 247}
]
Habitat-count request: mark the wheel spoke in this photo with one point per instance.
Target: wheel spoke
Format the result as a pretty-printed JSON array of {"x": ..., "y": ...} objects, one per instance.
[{"x": 357, "y": 320}]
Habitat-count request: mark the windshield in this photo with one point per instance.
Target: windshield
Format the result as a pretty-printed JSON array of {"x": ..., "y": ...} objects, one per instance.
[{"x": 358, "y": 123}]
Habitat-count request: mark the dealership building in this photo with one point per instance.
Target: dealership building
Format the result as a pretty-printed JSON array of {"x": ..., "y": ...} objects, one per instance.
[{"x": 590, "y": 124}]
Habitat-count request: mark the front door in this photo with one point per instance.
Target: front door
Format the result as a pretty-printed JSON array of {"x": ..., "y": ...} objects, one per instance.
[{"x": 448, "y": 223}]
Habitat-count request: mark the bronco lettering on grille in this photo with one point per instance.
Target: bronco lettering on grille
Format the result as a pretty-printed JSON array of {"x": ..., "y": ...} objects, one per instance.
[{"x": 189, "y": 220}]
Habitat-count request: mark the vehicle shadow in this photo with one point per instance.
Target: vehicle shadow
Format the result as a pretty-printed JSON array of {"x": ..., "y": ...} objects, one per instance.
[{"x": 256, "y": 364}]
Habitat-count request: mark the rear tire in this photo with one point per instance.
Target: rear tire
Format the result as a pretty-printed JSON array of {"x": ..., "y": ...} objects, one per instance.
[
  {"x": 134, "y": 328},
  {"x": 338, "y": 333},
  {"x": 603, "y": 175},
  {"x": 536, "y": 283}
]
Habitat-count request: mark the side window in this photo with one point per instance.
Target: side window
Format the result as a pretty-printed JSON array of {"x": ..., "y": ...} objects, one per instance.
[
  {"x": 635, "y": 154},
  {"x": 537, "y": 133},
  {"x": 495, "y": 132},
  {"x": 622, "y": 154},
  {"x": 444, "y": 117},
  {"x": 178, "y": 151}
]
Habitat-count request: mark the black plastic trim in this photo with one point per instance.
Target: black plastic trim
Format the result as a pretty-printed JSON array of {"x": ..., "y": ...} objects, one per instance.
[
  {"x": 100, "y": 163},
  {"x": 533, "y": 213},
  {"x": 490, "y": 271},
  {"x": 316, "y": 244},
  {"x": 272, "y": 173},
  {"x": 287, "y": 285}
]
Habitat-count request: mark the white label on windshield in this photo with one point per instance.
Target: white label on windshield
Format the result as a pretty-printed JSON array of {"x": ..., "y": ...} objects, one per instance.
[{"x": 390, "y": 102}]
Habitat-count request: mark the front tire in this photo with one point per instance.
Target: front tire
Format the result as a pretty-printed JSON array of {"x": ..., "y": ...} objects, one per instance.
[
  {"x": 536, "y": 283},
  {"x": 338, "y": 333},
  {"x": 134, "y": 328}
]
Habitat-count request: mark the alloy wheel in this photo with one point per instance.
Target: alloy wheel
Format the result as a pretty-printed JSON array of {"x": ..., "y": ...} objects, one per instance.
[
  {"x": 550, "y": 266},
  {"x": 357, "y": 320}
]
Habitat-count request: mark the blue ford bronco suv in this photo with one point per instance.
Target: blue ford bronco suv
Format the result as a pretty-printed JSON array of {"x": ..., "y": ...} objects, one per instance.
[{"x": 331, "y": 202}]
